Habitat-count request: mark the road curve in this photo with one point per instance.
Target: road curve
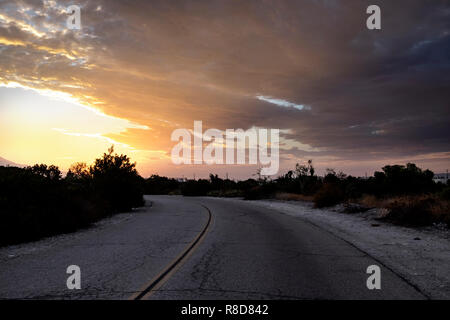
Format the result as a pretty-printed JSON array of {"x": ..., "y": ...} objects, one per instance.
[
  {"x": 248, "y": 252},
  {"x": 256, "y": 253}
]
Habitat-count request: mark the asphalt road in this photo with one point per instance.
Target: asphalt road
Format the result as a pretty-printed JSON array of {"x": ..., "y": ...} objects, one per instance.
[{"x": 246, "y": 252}]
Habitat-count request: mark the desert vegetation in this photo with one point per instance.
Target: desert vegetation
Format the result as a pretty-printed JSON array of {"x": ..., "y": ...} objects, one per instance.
[
  {"x": 37, "y": 201},
  {"x": 406, "y": 192}
]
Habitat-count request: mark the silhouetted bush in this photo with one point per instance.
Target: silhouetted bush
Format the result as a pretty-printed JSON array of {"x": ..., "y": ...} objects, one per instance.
[
  {"x": 445, "y": 194},
  {"x": 263, "y": 191},
  {"x": 160, "y": 185},
  {"x": 36, "y": 201},
  {"x": 195, "y": 188},
  {"x": 399, "y": 180},
  {"x": 329, "y": 195},
  {"x": 302, "y": 180}
]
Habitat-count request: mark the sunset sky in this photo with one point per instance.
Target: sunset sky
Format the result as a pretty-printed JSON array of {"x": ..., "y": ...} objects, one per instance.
[{"x": 347, "y": 97}]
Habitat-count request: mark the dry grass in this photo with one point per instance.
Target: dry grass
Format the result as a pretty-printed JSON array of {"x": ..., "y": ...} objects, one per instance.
[
  {"x": 440, "y": 210},
  {"x": 328, "y": 195},
  {"x": 415, "y": 210},
  {"x": 292, "y": 197},
  {"x": 370, "y": 201}
]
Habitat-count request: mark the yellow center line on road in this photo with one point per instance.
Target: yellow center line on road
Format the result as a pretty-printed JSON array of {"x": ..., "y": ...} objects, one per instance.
[{"x": 172, "y": 267}]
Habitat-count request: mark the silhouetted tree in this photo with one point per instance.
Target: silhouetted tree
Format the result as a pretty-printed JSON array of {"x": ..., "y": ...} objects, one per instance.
[{"x": 116, "y": 179}]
